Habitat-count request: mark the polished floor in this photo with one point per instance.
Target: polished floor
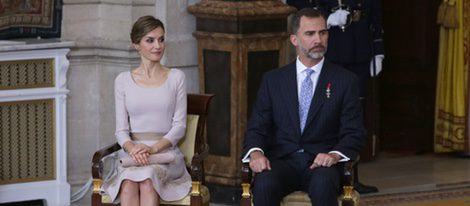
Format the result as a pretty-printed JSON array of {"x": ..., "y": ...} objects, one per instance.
[{"x": 395, "y": 172}]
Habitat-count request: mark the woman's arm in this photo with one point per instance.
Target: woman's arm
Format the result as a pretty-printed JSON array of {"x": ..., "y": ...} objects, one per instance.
[
  {"x": 122, "y": 118},
  {"x": 178, "y": 124}
]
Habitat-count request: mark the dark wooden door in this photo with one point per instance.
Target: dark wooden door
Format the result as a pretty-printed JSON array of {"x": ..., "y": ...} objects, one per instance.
[{"x": 408, "y": 81}]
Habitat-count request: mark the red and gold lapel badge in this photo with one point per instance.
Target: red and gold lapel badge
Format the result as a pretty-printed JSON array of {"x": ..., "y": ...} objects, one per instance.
[{"x": 328, "y": 90}]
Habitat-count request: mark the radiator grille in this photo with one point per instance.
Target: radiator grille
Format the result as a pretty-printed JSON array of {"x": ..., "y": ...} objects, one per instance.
[
  {"x": 27, "y": 141},
  {"x": 26, "y": 74}
]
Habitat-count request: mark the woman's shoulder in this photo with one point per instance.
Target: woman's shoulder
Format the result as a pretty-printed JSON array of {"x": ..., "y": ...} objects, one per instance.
[
  {"x": 177, "y": 74},
  {"x": 123, "y": 76}
]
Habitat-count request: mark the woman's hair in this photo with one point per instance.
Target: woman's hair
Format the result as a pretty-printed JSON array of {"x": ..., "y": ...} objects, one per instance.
[{"x": 144, "y": 25}]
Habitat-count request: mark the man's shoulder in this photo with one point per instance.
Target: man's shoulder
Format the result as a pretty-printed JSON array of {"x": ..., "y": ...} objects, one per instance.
[{"x": 281, "y": 71}]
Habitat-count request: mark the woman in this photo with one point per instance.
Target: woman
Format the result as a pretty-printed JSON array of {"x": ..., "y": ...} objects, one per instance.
[{"x": 150, "y": 119}]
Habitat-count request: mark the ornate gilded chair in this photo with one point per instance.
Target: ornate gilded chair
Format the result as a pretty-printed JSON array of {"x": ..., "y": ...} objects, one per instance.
[
  {"x": 193, "y": 146},
  {"x": 349, "y": 196}
]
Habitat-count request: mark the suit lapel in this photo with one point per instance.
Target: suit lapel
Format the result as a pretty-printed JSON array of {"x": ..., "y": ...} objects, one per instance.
[
  {"x": 289, "y": 90},
  {"x": 319, "y": 97}
]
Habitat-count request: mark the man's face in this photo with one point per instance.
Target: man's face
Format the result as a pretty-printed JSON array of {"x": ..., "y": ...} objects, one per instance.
[{"x": 311, "y": 39}]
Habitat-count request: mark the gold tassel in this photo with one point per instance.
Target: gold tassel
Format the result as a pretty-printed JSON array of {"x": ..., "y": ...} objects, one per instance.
[
  {"x": 441, "y": 12},
  {"x": 451, "y": 19}
]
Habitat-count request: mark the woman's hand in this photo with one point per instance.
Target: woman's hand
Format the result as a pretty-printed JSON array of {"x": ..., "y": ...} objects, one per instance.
[
  {"x": 139, "y": 152},
  {"x": 139, "y": 148},
  {"x": 141, "y": 158}
]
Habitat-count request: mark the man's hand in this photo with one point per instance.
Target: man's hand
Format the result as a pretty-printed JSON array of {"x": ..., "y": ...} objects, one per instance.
[
  {"x": 258, "y": 162},
  {"x": 325, "y": 160}
]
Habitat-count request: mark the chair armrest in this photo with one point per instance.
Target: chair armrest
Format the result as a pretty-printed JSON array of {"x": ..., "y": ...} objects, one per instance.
[
  {"x": 246, "y": 173},
  {"x": 246, "y": 185},
  {"x": 105, "y": 151},
  {"x": 348, "y": 196},
  {"x": 197, "y": 173},
  {"x": 197, "y": 164},
  {"x": 348, "y": 173},
  {"x": 97, "y": 165}
]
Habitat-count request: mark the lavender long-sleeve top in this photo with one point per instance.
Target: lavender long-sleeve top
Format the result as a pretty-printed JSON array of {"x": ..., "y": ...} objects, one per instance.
[{"x": 152, "y": 110}]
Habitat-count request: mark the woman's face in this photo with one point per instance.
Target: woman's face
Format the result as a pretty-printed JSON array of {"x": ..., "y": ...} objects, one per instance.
[{"x": 152, "y": 45}]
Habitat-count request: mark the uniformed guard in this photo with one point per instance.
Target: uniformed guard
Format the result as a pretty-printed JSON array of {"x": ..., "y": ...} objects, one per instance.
[{"x": 358, "y": 43}]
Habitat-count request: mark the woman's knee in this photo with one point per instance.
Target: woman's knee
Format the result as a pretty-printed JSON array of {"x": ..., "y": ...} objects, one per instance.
[
  {"x": 146, "y": 186},
  {"x": 129, "y": 187}
]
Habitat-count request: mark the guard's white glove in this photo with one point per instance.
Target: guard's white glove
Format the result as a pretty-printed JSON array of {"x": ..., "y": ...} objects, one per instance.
[
  {"x": 378, "y": 65},
  {"x": 337, "y": 18}
]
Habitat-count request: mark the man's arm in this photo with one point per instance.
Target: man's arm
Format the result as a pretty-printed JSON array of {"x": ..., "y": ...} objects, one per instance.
[
  {"x": 259, "y": 124},
  {"x": 351, "y": 131},
  {"x": 258, "y": 130}
]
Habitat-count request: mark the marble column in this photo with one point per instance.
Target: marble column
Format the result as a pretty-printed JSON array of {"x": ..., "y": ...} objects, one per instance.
[{"x": 237, "y": 42}]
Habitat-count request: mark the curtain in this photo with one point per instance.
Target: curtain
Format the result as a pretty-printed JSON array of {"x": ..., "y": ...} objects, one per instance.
[{"x": 451, "y": 115}]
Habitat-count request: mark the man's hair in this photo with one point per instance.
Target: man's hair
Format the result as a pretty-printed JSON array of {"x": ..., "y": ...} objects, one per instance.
[
  {"x": 307, "y": 12},
  {"x": 144, "y": 25}
]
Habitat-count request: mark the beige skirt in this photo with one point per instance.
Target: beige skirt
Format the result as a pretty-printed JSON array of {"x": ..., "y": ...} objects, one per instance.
[{"x": 171, "y": 181}]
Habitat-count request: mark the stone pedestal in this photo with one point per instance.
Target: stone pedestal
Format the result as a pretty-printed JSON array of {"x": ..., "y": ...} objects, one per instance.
[{"x": 237, "y": 42}]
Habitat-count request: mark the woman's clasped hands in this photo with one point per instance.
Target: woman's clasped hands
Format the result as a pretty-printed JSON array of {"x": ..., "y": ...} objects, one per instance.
[{"x": 140, "y": 153}]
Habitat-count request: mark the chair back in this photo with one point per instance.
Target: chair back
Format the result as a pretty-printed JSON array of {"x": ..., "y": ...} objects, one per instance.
[{"x": 194, "y": 141}]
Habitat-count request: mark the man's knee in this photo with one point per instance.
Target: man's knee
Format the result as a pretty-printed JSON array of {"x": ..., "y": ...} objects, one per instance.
[
  {"x": 267, "y": 189},
  {"x": 265, "y": 182},
  {"x": 324, "y": 181}
]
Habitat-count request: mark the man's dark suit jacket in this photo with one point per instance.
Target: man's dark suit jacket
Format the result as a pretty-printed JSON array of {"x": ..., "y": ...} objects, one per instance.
[{"x": 334, "y": 123}]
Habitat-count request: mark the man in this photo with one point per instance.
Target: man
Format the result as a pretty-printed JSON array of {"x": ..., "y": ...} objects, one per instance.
[
  {"x": 356, "y": 35},
  {"x": 355, "y": 43},
  {"x": 306, "y": 120}
]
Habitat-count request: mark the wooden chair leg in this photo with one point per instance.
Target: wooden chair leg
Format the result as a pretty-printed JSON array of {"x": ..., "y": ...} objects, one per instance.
[
  {"x": 245, "y": 202},
  {"x": 196, "y": 200},
  {"x": 95, "y": 199},
  {"x": 347, "y": 203},
  {"x": 246, "y": 195}
]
